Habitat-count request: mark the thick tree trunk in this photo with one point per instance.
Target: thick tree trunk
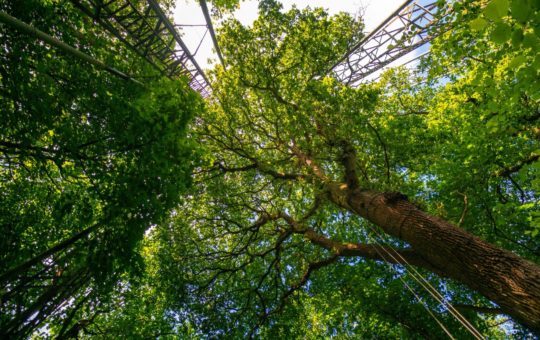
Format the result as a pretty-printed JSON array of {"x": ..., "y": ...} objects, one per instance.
[{"x": 501, "y": 276}]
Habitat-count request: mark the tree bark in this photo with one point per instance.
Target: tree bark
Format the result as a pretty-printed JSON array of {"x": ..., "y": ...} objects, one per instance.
[{"x": 506, "y": 279}]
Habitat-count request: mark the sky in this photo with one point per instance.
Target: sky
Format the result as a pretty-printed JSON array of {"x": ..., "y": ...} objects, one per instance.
[{"x": 188, "y": 12}]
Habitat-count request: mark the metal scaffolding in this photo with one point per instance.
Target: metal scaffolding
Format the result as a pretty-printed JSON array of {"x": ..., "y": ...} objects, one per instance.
[
  {"x": 145, "y": 28},
  {"x": 407, "y": 29}
]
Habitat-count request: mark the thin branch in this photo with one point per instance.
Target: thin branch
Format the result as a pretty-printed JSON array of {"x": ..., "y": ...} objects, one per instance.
[
  {"x": 518, "y": 187},
  {"x": 369, "y": 251},
  {"x": 503, "y": 321},
  {"x": 507, "y": 171},
  {"x": 313, "y": 209},
  {"x": 465, "y": 208},
  {"x": 313, "y": 266},
  {"x": 303, "y": 158},
  {"x": 407, "y": 110},
  {"x": 272, "y": 90},
  {"x": 261, "y": 169},
  {"x": 383, "y": 145},
  {"x": 479, "y": 309}
]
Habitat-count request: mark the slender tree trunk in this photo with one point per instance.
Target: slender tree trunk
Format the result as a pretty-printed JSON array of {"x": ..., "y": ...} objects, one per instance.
[
  {"x": 67, "y": 321},
  {"x": 20, "y": 269},
  {"x": 501, "y": 276},
  {"x": 44, "y": 305}
]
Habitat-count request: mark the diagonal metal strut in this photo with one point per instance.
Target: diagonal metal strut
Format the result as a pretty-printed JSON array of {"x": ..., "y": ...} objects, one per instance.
[
  {"x": 407, "y": 29},
  {"x": 145, "y": 29}
]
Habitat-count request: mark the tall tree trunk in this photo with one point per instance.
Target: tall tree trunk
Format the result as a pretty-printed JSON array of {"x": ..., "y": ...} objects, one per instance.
[
  {"x": 22, "y": 324},
  {"x": 501, "y": 276},
  {"x": 23, "y": 267}
]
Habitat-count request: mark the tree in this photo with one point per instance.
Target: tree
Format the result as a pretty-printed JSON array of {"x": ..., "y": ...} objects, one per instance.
[
  {"x": 306, "y": 178},
  {"x": 319, "y": 210},
  {"x": 88, "y": 162}
]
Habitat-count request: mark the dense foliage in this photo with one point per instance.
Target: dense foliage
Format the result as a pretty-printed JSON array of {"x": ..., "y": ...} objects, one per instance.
[
  {"x": 246, "y": 254},
  {"x": 492, "y": 57},
  {"x": 89, "y": 161},
  {"x": 317, "y": 209}
]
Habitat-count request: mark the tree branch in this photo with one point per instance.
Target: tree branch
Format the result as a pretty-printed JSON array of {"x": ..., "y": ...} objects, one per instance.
[
  {"x": 303, "y": 158},
  {"x": 270, "y": 89},
  {"x": 507, "y": 171},
  {"x": 465, "y": 208},
  {"x": 383, "y": 145},
  {"x": 479, "y": 309},
  {"x": 348, "y": 160},
  {"x": 313, "y": 266},
  {"x": 369, "y": 251},
  {"x": 257, "y": 166}
]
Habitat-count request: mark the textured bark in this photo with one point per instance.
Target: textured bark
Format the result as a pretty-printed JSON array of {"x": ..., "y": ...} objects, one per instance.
[
  {"x": 369, "y": 251},
  {"x": 501, "y": 276}
]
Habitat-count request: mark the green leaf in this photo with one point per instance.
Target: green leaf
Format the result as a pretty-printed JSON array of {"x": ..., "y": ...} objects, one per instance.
[
  {"x": 501, "y": 33},
  {"x": 493, "y": 124},
  {"x": 531, "y": 40},
  {"x": 520, "y": 10},
  {"x": 496, "y": 9},
  {"x": 517, "y": 62},
  {"x": 536, "y": 63},
  {"x": 517, "y": 37},
  {"x": 478, "y": 24}
]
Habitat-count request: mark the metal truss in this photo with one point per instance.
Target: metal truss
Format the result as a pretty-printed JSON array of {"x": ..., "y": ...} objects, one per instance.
[
  {"x": 405, "y": 30},
  {"x": 145, "y": 29}
]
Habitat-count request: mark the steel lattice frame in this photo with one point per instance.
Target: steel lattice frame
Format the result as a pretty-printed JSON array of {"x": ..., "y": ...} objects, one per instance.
[
  {"x": 144, "y": 27},
  {"x": 405, "y": 30}
]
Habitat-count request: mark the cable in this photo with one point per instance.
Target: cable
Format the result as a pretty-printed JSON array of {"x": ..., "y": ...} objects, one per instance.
[
  {"x": 442, "y": 300},
  {"x": 428, "y": 287},
  {"x": 206, "y": 14},
  {"x": 426, "y": 307}
]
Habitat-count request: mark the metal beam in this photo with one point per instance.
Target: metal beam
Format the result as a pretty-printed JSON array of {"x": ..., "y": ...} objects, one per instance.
[
  {"x": 405, "y": 30},
  {"x": 144, "y": 28},
  {"x": 30, "y": 30},
  {"x": 206, "y": 14}
]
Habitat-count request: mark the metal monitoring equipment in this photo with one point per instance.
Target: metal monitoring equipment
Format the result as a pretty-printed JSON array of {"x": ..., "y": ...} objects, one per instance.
[
  {"x": 402, "y": 32},
  {"x": 144, "y": 27}
]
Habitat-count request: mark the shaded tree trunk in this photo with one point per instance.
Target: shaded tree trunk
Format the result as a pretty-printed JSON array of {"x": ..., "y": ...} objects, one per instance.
[
  {"x": 501, "y": 276},
  {"x": 23, "y": 267},
  {"x": 23, "y": 323}
]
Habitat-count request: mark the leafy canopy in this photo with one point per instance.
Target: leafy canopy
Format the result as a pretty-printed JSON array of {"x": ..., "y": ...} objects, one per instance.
[
  {"x": 277, "y": 127},
  {"x": 84, "y": 154}
]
